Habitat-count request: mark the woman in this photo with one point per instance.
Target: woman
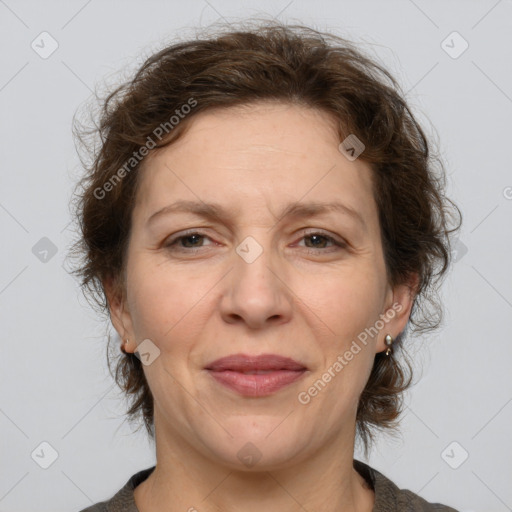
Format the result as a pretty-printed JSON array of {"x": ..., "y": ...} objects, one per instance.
[{"x": 262, "y": 222}]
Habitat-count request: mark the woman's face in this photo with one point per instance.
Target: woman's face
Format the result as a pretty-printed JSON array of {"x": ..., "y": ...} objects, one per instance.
[{"x": 249, "y": 280}]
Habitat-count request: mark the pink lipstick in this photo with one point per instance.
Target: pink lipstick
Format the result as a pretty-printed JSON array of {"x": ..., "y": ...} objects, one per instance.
[{"x": 256, "y": 376}]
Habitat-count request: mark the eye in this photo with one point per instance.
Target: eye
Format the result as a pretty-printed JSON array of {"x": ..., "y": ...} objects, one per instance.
[
  {"x": 193, "y": 241},
  {"x": 318, "y": 241},
  {"x": 186, "y": 242}
]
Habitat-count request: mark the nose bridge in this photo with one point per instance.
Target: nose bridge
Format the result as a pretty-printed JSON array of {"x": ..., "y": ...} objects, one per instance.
[{"x": 256, "y": 291}]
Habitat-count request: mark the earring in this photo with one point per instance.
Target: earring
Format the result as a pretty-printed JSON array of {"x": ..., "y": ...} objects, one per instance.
[
  {"x": 388, "y": 340},
  {"x": 126, "y": 341}
]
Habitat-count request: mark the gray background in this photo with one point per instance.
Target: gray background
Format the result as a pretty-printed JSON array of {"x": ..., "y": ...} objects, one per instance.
[{"x": 55, "y": 386}]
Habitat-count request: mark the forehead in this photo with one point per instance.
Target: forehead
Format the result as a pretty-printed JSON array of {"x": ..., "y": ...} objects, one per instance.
[{"x": 263, "y": 154}]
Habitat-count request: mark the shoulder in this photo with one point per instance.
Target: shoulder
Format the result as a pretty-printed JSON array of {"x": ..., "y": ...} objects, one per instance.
[
  {"x": 389, "y": 497},
  {"x": 98, "y": 507},
  {"x": 123, "y": 500}
]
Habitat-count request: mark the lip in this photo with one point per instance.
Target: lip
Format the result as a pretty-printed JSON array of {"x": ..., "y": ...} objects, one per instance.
[
  {"x": 279, "y": 372},
  {"x": 245, "y": 363}
]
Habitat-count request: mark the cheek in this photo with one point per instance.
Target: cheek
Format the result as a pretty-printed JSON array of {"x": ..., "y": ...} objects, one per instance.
[
  {"x": 344, "y": 307},
  {"x": 170, "y": 306},
  {"x": 160, "y": 300},
  {"x": 345, "y": 302}
]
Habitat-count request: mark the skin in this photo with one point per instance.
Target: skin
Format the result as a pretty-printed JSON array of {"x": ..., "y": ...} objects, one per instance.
[{"x": 203, "y": 305}]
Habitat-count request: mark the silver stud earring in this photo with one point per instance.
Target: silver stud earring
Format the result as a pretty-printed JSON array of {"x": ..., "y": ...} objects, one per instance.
[{"x": 388, "y": 340}]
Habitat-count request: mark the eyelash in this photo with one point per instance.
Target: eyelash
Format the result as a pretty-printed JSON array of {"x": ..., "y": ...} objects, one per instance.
[{"x": 173, "y": 242}]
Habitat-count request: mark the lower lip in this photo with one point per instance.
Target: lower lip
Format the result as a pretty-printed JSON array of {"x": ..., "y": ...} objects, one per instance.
[{"x": 257, "y": 384}]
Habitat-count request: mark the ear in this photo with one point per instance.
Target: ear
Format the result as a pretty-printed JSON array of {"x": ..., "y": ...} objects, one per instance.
[
  {"x": 399, "y": 304},
  {"x": 119, "y": 312}
]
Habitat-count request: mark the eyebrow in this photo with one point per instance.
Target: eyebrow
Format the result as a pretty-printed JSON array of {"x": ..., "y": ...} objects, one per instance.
[{"x": 214, "y": 212}]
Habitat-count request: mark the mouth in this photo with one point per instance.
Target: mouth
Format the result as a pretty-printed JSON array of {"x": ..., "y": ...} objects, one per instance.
[{"x": 256, "y": 376}]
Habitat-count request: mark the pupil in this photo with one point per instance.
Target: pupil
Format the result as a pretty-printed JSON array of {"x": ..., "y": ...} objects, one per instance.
[
  {"x": 193, "y": 237},
  {"x": 317, "y": 238}
]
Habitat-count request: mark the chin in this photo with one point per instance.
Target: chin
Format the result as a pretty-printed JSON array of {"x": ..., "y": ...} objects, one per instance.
[{"x": 256, "y": 444}]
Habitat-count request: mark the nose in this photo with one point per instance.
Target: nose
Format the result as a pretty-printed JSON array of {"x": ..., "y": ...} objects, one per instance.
[{"x": 256, "y": 292}]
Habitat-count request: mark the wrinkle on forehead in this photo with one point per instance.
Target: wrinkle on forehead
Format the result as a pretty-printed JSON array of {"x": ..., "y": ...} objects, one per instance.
[{"x": 276, "y": 153}]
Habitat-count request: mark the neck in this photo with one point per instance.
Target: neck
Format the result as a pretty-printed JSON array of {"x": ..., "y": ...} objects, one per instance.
[{"x": 185, "y": 480}]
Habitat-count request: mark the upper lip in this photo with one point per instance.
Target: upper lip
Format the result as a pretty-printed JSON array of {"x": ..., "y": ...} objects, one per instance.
[{"x": 244, "y": 362}]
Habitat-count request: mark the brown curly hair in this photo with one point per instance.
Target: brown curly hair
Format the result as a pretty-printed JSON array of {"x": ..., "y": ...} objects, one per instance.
[{"x": 287, "y": 63}]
